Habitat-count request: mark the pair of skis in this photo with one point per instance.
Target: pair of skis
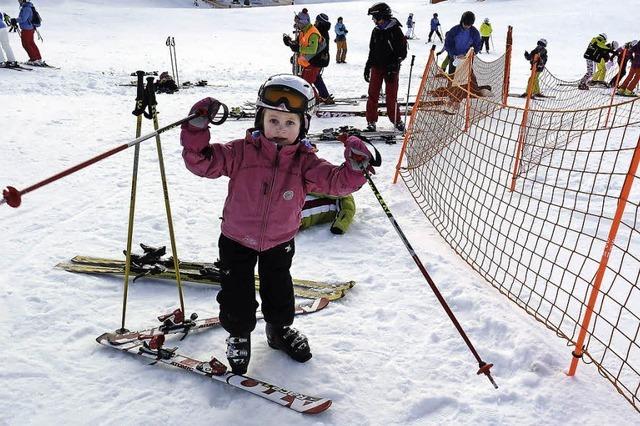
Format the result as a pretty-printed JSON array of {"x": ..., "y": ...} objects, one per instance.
[
  {"x": 152, "y": 265},
  {"x": 16, "y": 68},
  {"x": 149, "y": 344}
]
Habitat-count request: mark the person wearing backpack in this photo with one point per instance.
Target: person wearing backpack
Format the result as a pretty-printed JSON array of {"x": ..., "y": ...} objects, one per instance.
[
  {"x": 4, "y": 43},
  {"x": 29, "y": 20}
]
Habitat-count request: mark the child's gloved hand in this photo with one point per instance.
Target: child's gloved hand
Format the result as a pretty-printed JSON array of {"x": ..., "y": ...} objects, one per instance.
[
  {"x": 208, "y": 108},
  {"x": 357, "y": 154}
]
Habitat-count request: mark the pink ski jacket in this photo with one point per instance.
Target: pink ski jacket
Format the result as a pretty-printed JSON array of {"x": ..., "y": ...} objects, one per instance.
[{"x": 268, "y": 183}]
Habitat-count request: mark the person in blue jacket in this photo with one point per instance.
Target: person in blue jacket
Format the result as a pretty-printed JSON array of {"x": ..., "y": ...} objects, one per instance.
[
  {"x": 435, "y": 23},
  {"x": 341, "y": 42},
  {"x": 27, "y": 28},
  {"x": 461, "y": 38},
  {"x": 4, "y": 44}
]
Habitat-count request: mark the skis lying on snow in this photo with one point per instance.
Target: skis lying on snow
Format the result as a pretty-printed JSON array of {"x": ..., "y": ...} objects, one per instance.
[
  {"x": 150, "y": 344},
  {"x": 154, "y": 266},
  {"x": 331, "y": 134},
  {"x": 176, "y": 323}
]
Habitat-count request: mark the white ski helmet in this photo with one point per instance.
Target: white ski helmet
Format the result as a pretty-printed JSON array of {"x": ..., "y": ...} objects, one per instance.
[
  {"x": 542, "y": 42},
  {"x": 287, "y": 93},
  {"x": 615, "y": 45},
  {"x": 603, "y": 35},
  {"x": 486, "y": 20}
]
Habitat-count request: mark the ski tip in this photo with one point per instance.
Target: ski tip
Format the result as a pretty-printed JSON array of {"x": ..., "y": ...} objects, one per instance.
[
  {"x": 319, "y": 408},
  {"x": 322, "y": 303},
  {"x": 101, "y": 338}
]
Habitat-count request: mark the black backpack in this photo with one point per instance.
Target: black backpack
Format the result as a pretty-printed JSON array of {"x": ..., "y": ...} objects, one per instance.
[{"x": 36, "y": 20}]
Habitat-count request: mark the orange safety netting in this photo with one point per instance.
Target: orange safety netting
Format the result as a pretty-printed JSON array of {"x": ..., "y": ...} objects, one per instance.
[{"x": 542, "y": 200}]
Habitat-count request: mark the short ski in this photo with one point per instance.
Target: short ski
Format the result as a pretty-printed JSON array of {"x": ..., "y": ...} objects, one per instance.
[
  {"x": 186, "y": 326},
  {"x": 534, "y": 97},
  {"x": 196, "y": 272},
  {"x": 331, "y": 134},
  {"x": 216, "y": 370},
  {"x": 44, "y": 65},
  {"x": 18, "y": 68}
]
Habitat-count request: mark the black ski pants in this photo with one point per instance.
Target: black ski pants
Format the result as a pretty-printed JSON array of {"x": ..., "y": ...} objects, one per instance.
[
  {"x": 437, "y": 33},
  {"x": 237, "y": 296}
]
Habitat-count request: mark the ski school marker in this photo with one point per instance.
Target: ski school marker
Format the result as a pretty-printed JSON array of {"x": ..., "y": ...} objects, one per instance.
[{"x": 13, "y": 196}]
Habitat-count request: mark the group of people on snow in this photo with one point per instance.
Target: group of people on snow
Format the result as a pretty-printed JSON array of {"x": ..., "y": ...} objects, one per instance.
[
  {"x": 600, "y": 55},
  {"x": 26, "y": 24}
]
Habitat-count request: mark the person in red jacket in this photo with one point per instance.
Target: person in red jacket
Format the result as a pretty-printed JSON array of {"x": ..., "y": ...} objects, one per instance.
[
  {"x": 270, "y": 172},
  {"x": 387, "y": 50}
]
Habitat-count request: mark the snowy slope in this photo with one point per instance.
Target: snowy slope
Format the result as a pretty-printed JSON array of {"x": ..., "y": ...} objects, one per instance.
[{"x": 386, "y": 354}]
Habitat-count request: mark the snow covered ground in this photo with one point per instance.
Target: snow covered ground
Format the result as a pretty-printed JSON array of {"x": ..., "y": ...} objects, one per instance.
[{"x": 386, "y": 353}]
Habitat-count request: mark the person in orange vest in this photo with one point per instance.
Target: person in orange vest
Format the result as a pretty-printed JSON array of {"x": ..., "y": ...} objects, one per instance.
[{"x": 309, "y": 43}]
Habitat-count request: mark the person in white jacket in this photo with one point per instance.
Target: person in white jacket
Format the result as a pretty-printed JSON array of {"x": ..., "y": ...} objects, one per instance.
[{"x": 5, "y": 47}]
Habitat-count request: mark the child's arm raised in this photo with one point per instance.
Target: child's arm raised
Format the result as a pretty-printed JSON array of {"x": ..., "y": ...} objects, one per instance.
[{"x": 199, "y": 156}]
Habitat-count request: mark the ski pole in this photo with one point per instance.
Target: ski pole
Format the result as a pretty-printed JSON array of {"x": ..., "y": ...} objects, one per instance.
[
  {"x": 484, "y": 367},
  {"x": 406, "y": 102},
  {"x": 13, "y": 197},
  {"x": 151, "y": 98},
  {"x": 175, "y": 59},
  {"x": 141, "y": 103},
  {"x": 173, "y": 70}
]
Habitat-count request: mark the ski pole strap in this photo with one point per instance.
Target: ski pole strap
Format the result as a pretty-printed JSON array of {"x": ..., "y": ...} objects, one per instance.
[
  {"x": 225, "y": 115},
  {"x": 376, "y": 160}
]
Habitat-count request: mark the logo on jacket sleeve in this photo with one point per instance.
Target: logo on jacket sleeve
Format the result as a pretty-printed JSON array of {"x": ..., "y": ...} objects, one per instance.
[{"x": 288, "y": 195}]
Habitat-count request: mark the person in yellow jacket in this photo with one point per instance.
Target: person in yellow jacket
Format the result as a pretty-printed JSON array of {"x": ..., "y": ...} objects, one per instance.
[
  {"x": 485, "y": 33},
  {"x": 319, "y": 208},
  {"x": 597, "y": 51},
  {"x": 309, "y": 43}
]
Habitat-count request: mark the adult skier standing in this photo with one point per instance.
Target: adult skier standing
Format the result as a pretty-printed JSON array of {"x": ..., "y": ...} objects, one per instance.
[
  {"x": 5, "y": 47},
  {"x": 28, "y": 28},
  {"x": 387, "y": 50},
  {"x": 270, "y": 172},
  {"x": 309, "y": 43}
]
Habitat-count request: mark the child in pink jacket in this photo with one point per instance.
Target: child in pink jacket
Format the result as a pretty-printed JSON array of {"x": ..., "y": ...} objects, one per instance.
[{"x": 271, "y": 170}]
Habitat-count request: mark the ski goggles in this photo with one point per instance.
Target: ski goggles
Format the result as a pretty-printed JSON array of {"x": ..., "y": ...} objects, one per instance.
[{"x": 293, "y": 100}]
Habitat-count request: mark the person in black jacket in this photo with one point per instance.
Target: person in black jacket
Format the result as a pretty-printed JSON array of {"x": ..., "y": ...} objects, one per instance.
[
  {"x": 387, "y": 50},
  {"x": 537, "y": 57},
  {"x": 322, "y": 59}
]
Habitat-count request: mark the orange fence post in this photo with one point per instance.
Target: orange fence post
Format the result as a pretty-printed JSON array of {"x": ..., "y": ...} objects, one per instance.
[
  {"x": 467, "y": 115},
  {"x": 615, "y": 86},
  {"x": 425, "y": 76},
  {"x": 523, "y": 125},
  {"x": 507, "y": 66},
  {"x": 622, "y": 202}
]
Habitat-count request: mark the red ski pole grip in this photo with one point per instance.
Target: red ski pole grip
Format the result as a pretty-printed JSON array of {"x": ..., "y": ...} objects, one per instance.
[{"x": 12, "y": 196}]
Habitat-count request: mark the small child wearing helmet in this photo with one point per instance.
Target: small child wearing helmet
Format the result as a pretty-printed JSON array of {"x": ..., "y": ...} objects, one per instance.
[{"x": 270, "y": 172}]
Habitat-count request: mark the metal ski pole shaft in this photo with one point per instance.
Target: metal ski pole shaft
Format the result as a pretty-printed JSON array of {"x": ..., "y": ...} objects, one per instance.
[
  {"x": 151, "y": 98},
  {"x": 13, "y": 196},
  {"x": 484, "y": 367},
  {"x": 175, "y": 59},
  {"x": 173, "y": 70},
  {"x": 138, "y": 112},
  {"x": 406, "y": 102}
]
